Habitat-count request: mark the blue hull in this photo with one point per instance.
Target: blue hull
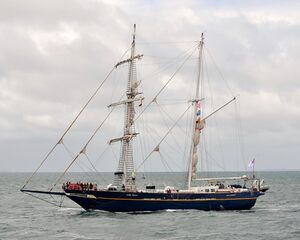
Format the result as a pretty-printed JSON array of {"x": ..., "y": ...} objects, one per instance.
[{"x": 132, "y": 202}]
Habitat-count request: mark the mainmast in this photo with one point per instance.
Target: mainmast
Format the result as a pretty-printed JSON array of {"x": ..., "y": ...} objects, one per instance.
[
  {"x": 125, "y": 175},
  {"x": 198, "y": 124}
]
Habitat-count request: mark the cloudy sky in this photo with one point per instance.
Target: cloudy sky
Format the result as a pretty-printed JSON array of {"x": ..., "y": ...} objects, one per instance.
[{"x": 53, "y": 54}]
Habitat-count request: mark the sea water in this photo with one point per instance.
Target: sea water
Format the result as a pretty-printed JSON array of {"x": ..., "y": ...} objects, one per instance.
[{"x": 276, "y": 215}]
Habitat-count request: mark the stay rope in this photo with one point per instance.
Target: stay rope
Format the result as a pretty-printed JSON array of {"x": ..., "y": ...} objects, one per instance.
[
  {"x": 47, "y": 201},
  {"x": 166, "y": 84},
  {"x": 72, "y": 123},
  {"x": 156, "y": 148},
  {"x": 83, "y": 150}
]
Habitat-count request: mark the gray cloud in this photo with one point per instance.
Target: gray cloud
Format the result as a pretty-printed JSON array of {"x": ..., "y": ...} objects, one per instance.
[{"x": 54, "y": 53}]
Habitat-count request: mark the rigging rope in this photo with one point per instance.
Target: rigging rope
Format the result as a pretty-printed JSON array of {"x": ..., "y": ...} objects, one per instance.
[
  {"x": 168, "y": 64},
  {"x": 83, "y": 150},
  {"x": 178, "y": 148},
  {"x": 240, "y": 132},
  {"x": 102, "y": 153},
  {"x": 78, "y": 164},
  {"x": 182, "y": 42},
  {"x": 157, "y": 146},
  {"x": 219, "y": 71},
  {"x": 165, "y": 163},
  {"x": 165, "y": 85},
  {"x": 47, "y": 201},
  {"x": 72, "y": 123},
  {"x": 93, "y": 166},
  {"x": 218, "y": 136},
  {"x": 168, "y": 115}
]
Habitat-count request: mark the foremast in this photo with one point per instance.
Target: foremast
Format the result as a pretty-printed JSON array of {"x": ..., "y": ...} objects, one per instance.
[
  {"x": 125, "y": 175},
  {"x": 198, "y": 123}
]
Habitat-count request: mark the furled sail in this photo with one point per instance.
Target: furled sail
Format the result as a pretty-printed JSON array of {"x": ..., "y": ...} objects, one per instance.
[{"x": 199, "y": 125}]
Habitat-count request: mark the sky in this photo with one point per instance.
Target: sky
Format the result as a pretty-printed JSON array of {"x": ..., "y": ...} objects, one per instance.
[{"x": 54, "y": 54}]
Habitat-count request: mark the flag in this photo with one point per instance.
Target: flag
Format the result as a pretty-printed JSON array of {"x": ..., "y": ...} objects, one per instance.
[
  {"x": 198, "y": 110},
  {"x": 251, "y": 163}
]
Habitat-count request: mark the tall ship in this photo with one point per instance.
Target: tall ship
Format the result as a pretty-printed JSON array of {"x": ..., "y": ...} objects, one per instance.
[{"x": 123, "y": 194}]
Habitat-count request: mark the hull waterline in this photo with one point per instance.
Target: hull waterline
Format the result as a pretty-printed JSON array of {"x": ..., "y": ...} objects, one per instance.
[{"x": 133, "y": 202}]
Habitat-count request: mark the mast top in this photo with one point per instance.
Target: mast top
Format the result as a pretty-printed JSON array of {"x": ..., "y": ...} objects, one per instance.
[
  {"x": 134, "y": 28},
  {"x": 202, "y": 39}
]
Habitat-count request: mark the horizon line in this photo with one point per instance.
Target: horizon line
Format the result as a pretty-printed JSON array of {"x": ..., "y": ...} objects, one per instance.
[{"x": 263, "y": 170}]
